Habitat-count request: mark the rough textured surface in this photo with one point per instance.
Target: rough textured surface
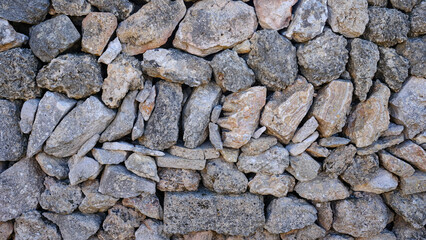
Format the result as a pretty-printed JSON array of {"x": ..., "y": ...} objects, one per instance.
[
  {"x": 120, "y": 8},
  {"x": 143, "y": 166},
  {"x": 303, "y": 167},
  {"x": 274, "y": 14},
  {"x": 97, "y": 29},
  {"x": 392, "y": 68},
  {"x": 338, "y": 160},
  {"x": 322, "y": 189},
  {"x": 28, "y": 11},
  {"x": 395, "y": 165},
  {"x": 13, "y": 141},
  {"x": 112, "y": 51},
  {"x": 409, "y": 207},
  {"x": 273, "y": 161},
  {"x": 82, "y": 169},
  {"x": 414, "y": 51},
  {"x": 28, "y": 112},
  {"x": 417, "y": 25},
  {"x": 9, "y": 37},
  {"x": 147, "y": 204},
  {"x": 53, "y": 166},
  {"x": 178, "y": 180},
  {"x": 411, "y": 153},
  {"x": 276, "y": 185},
  {"x": 348, "y": 17},
  {"x": 259, "y": 145},
  {"x": 30, "y": 225},
  {"x": 75, "y": 226},
  {"x": 71, "y": 8},
  {"x": 60, "y": 197}
]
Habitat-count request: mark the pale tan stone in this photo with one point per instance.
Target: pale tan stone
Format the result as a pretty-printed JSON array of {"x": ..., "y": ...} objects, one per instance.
[
  {"x": 395, "y": 165},
  {"x": 97, "y": 29},
  {"x": 148, "y": 105},
  {"x": 322, "y": 189},
  {"x": 411, "y": 153},
  {"x": 382, "y": 181},
  {"x": 317, "y": 150},
  {"x": 274, "y": 14},
  {"x": 306, "y": 130},
  {"x": 414, "y": 184},
  {"x": 229, "y": 154},
  {"x": 276, "y": 185}
]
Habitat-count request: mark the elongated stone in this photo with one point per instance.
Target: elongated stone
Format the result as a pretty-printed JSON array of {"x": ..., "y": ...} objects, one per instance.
[
  {"x": 273, "y": 161},
  {"x": 411, "y": 153},
  {"x": 214, "y": 136},
  {"x": 276, "y": 185},
  {"x": 393, "y": 130},
  {"x": 28, "y": 112},
  {"x": 170, "y": 161},
  {"x": 109, "y": 156},
  {"x": 395, "y": 165},
  {"x": 380, "y": 144},
  {"x": 13, "y": 140},
  {"x": 146, "y": 107},
  {"x": 415, "y": 183},
  {"x": 112, "y": 51},
  {"x": 392, "y": 68},
  {"x": 139, "y": 127},
  {"x": 258, "y": 146},
  {"x": 298, "y": 148},
  {"x": 178, "y": 180},
  {"x": 382, "y": 181},
  {"x": 333, "y": 142},
  {"x": 305, "y": 131}
]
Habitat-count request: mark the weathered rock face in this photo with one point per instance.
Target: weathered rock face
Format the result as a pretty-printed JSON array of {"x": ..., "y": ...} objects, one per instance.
[
  {"x": 411, "y": 153},
  {"x": 120, "y": 8},
  {"x": 418, "y": 23},
  {"x": 75, "y": 226},
  {"x": 120, "y": 223},
  {"x": 9, "y": 37},
  {"x": 338, "y": 160},
  {"x": 402, "y": 230},
  {"x": 60, "y": 197},
  {"x": 323, "y": 59},
  {"x": 28, "y": 112},
  {"x": 151, "y": 230},
  {"x": 414, "y": 51},
  {"x": 303, "y": 167},
  {"x": 151, "y": 26},
  {"x": 178, "y": 180},
  {"x": 404, "y": 5},
  {"x": 286, "y": 109},
  {"x": 409, "y": 207},
  {"x": 242, "y": 116},
  {"x": 71, "y": 8},
  {"x": 147, "y": 204},
  {"x": 94, "y": 201},
  {"x": 348, "y": 17},
  {"x": 53, "y": 166},
  {"x": 233, "y": 22},
  {"x": 414, "y": 184},
  {"x": 18, "y": 69},
  {"x": 274, "y": 14},
  {"x": 30, "y": 225},
  {"x": 13, "y": 141},
  {"x": 322, "y": 189},
  {"x": 273, "y": 161},
  {"x": 273, "y": 59},
  {"x": 276, "y": 185},
  {"x": 28, "y": 11},
  {"x": 97, "y": 29},
  {"x": 395, "y": 165},
  {"x": 143, "y": 166},
  {"x": 392, "y": 68}
]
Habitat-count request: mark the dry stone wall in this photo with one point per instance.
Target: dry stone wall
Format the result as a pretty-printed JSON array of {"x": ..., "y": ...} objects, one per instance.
[{"x": 212, "y": 119}]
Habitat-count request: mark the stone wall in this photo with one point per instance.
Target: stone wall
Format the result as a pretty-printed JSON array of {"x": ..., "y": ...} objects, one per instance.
[{"x": 212, "y": 119}]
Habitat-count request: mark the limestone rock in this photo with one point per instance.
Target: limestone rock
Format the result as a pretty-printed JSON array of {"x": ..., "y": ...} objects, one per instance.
[
  {"x": 53, "y": 166},
  {"x": 229, "y": 154},
  {"x": 382, "y": 181},
  {"x": 143, "y": 166},
  {"x": 28, "y": 112},
  {"x": 147, "y": 204},
  {"x": 385, "y": 234},
  {"x": 13, "y": 142},
  {"x": 87, "y": 119},
  {"x": 82, "y": 169},
  {"x": 274, "y": 14},
  {"x": 310, "y": 232},
  {"x": 257, "y": 146},
  {"x": 177, "y": 180},
  {"x": 395, "y": 165},
  {"x": 124, "y": 74},
  {"x": 76, "y": 75},
  {"x": 151, "y": 230},
  {"x": 417, "y": 21},
  {"x": 88, "y": 145},
  {"x": 71, "y": 8},
  {"x": 333, "y": 142},
  {"x": 97, "y": 29},
  {"x": 94, "y": 201},
  {"x": 28, "y": 11},
  {"x": 379, "y": 3},
  {"x": 231, "y": 72},
  {"x": 188, "y": 153},
  {"x": 170, "y": 161},
  {"x": 242, "y": 115},
  {"x": 386, "y": 26},
  {"x": 309, "y": 20},
  {"x": 411, "y": 153},
  {"x": 109, "y": 156},
  {"x": 369, "y": 119},
  {"x": 112, "y": 51},
  {"x": 151, "y": 26},
  {"x": 75, "y": 226},
  {"x": 404, "y": 230},
  {"x": 9, "y": 37},
  {"x": 404, "y": 5},
  {"x": 407, "y": 106},
  {"x": 322, "y": 189},
  {"x": 324, "y": 58},
  {"x": 414, "y": 51},
  {"x": 233, "y": 22},
  {"x": 305, "y": 131},
  {"x": 325, "y": 215},
  {"x": 348, "y": 17},
  {"x": 120, "y": 223},
  {"x": 60, "y": 197},
  {"x": 380, "y": 144},
  {"x": 410, "y": 207},
  {"x": 273, "y": 59},
  {"x": 52, "y": 37},
  {"x": 139, "y": 127},
  {"x": 286, "y": 109},
  {"x": 214, "y": 136},
  {"x": 276, "y": 185},
  {"x": 298, "y": 148},
  {"x": 146, "y": 107},
  {"x": 415, "y": 183},
  {"x": 162, "y": 129},
  {"x": 273, "y": 161},
  {"x": 30, "y": 225},
  {"x": 393, "y": 130},
  {"x": 120, "y": 8},
  {"x": 392, "y": 68},
  {"x": 303, "y": 167},
  {"x": 338, "y": 160},
  {"x": 18, "y": 69},
  {"x": 361, "y": 169},
  {"x": 362, "y": 65},
  {"x": 316, "y": 150}
]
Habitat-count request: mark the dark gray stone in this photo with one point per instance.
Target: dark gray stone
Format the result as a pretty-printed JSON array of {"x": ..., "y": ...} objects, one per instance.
[
  {"x": 75, "y": 226},
  {"x": 13, "y": 141},
  {"x": 404, "y": 230},
  {"x": 338, "y": 160},
  {"x": 410, "y": 207},
  {"x": 120, "y": 223},
  {"x": 392, "y": 68},
  {"x": 414, "y": 50},
  {"x": 60, "y": 197},
  {"x": 25, "y": 11},
  {"x": 417, "y": 20},
  {"x": 120, "y": 8},
  {"x": 71, "y": 8},
  {"x": 30, "y": 226},
  {"x": 361, "y": 170}
]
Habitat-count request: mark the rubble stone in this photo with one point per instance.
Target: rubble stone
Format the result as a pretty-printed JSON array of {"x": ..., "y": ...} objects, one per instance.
[
  {"x": 414, "y": 51},
  {"x": 276, "y": 185},
  {"x": 417, "y": 21},
  {"x": 112, "y": 51},
  {"x": 178, "y": 180},
  {"x": 338, "y": 160},
  {"x": 273, "y": 161},
  {"x": 75, "y": 226},
  {"x": 348, "y": 17},
  {"x": 415, "y": 183},
  {"x": 258, "y": 146},
  {"x": 120, "y": 8},
  {"x": 10, "y": 38},
  {"x": 274, "y": 15},
  {"x": 392, "y": 68},
  {"x": 13, "y": 141},
  {"x": 82, "y": 169},
  {"x": 410, "y": 207},
  {"x": 28, "y": 11},
  {"x": 30, "y": 225},
  {"x": 53, "y": 166},
  {"x": 143, "y": 166},
  {"x": 94, "y": 201},
  {"x": 28, "y": 112},
  {"x": 97, "y": 29},
  {"x": 306, "y": 130},
  {"x": 71, "y": 8},
  {"x": 322, "y": 189},
  {"x": 60, "y": 197},
  {"x": 411, "y": 153},
  {"x": 303, "y": 167},
  {"x": 395, "y": 165},
  {"x": 147, "y": 204}
]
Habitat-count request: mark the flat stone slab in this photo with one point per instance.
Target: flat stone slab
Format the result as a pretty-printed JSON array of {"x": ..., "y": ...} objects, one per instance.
[{"x": 171, "y": 161}]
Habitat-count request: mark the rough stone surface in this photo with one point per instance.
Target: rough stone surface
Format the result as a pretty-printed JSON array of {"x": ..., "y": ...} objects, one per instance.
[
  {"x": 417, "y": 20},
  {"x": 71, "y": 8},
  {"x": 274, "y": 14},
  {"x": 303, "y": 167},
  {"x": 53, "y": 166},
  {"x": 214, "y": 136},
  {"x": 143, "y": 166},
  {"x": 310, "y": 232},
  {"x": 395, "y": 165},
  {"x": 323, "y": 59},
  {"x": 333, "y": 142},
  {"x": 151, "y": 230},
  {"x": 151, "y": 26},
  {"x": 415, "y": 183},
  {"x": 170, "y": 161},
  {"x": 94, "y": 201},
  {"x": 273, "y": 59},
  {"x": 87, "y": 119},
  {"x": 76, "y": 75},
  {"x": 410, "y": 207},
  {"x": 109, "y": 156},
  {"x": 414, "y": 51},
  {"x": 30, "y": 225},
  {"x": 338, "y": 160},
  {"x": 305, "y": 131},
  {"x": 325, "y": 215},
  {"x": 404, "y": 230},
  {"x": 13, "y": 142},
  {"x": 52, "y": 37},
  {"x": 97, "y": 30},
  {"x": 178, "y": 180},
  {"x": 382, "y": 181},
  {"x": 120, "y": 8},
  {"x": 147, "y": 204},
  {"x": 380, "y": 144},
  {"x": 392, "y": 68},
  {"x": 393, "y": 130},
  {"x": 87, "y": 146},
  {"x": 233, "y": 22},
  {"x": 112, "y": 51},
  {"x": 316, "y": 150},
  {"x": 361, "y": 169},
  {"x": 188, "y": 153},
  {"x": 28, "y": 112},
  {"x": 309, "y": 20},
  {"x": 18, "y": 68},
  {"x": 258, "y": 146},
  {"x": 276, "y": 185},
  {"x": 273, "y": 161},
  {"x": 28, "y": 11},
  {"x": 411, "y": 153},
  {"x": 82, "y": 169},
  {"x": 60, "y": 197},
  {"x": 348, "y": 17},
  {"x": 120, "y": 223},
  {"x": 322, "y": 189},
  {"x": 298, "y": 148},
  {"x": 9, "y": 37},
  {"x": 75, "y": 226},
  {"x": 404, "y": 5}
]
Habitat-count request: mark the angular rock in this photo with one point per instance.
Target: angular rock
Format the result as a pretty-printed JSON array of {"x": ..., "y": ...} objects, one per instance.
[
  {"x": 229, "y": 154},
  {"x": 82, "y": 169},
  {"x": 309, "y": 20},
  {"x": 13, "y": 142},
  {"x": 361, "y": 169},
  {"x": 120, "y": 8},
  {"x": 415, "y": 183},
  {"x": 322, "y": 189},
  {"x": 151, "y": 230},
  {"x": 257, "y": 146},
  {"x": 60, "y": 197},
  {"x": 170, "y": 161},
  {"x": 242, "y": 113},
  {"x": 273, "y": 161},
  {"x": 223, "y": 177},
  {"x": 363, "y": 216},
  {"x": 94, "y": 201},
  {"x": 243, "y": 47},
  {"x": 386, "y": 26},
  {"x": 385, "y": 234},
  {"x": 147, "y": 204},
  {"x": 324, "y": 58},
  {"x": 392, "y": 68},
  {"x": 393, "y": 130},
  {"x": 225, "y": 214},
  {"x": 188, "y": 153},
  {"x": 97, "y": 30},
  {"x": 28, "y": 112},
  {"x": 382, "y": 181},
  {"x": 124, "y": 74},
  {"x": 411, "y": 153},
  {"x": 120, "y": 223},
  {"x": 348, "y": 18},
  {"x": 71, "y": 8},
  {"x": 305, "y": 131},
  {"x": 404, "y": 230},
  {"x": 417, "y": 21},
  {"x": 6, "y": 229},
  {"x": 52, "y": 37},
  {"x": 276, "y": 185},
  {"x": 88, "y": 145},
  {"x": 139, "y": 127},
  {"x": 178, "y": 180},
  {"x": 407, "y": 106},
  {"x": 274, "y": 15},
  {"x": 76, "y": 75},
  {"x": 298, "y": 148},
  {"x": 259, "y": 132},
  {"x": 395, "y": 165},
  {"x": 310, "y": 232},
  {"x": 214, "y": 136},
  {"x": 380, "y": 144},
  {"x": 148, "y": 105},
  {"x": 162, "y": 129},
  {"x": 175, "y": 66},
  {"x": 369, "y": 119},
  {"x": 410, "y": 207},
  {"x": 273, "y": 59},
  {"x": 151, "y": 26},
  {"x": 362, "y": 65},
  {"x": 215, "y": 113},
  {"x": 303, "y": 167},
  {"x": 231, "y": 72},
  {"x": 286, "y": 109},
  {"x": 18, "y": 69},
  {"x": 404, "y": 5},
  {"x": 87, "y": 119},
  {"x": 52, "y": 108},
  {"x": 143, "y": 166},
  {"x": 414, "y": 51},
  {"x": 28, "y": 11},
  {"x": 233, "y": 22},
  {"x": 334, "y": 236},
  {"x": 325, "y": 215},
  {"x": 289, "y": 213},
  {"x": 333, "y": 142},
  {"x": 53, "y": 166},
  {"x": 317, "y": 151},
  {"x": 30, "y": 225},
  {"x": 20, "y": 187},
  {"x": 118, "y": 182},
  {"x": 380, "y": 3},
  {"x": 338, "y": 160},
  {"x": 75, "y": 226},
  {"x": 109, "y": 156},
  {"x": 112, "y": 51},
  {"x": 9, "y": 37}
]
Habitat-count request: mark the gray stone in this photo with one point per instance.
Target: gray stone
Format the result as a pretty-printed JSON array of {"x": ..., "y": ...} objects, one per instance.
[
  {"x": 216, "y": 113},
  {"x": 233, "y": 22},
  {"x": 9, "y": 37},
  {"x": 223, "y": 177},
  {"x": 151, "y": 230},
  {"x": 404, "y": 230},
  {"x": 303, "y": 167},
  {"x": 380, "y": 182},
  {"x": 6, "y": 229},
  {"x": 188, "y": 153},
  {"x": 380, "y": 3},
  {"x": 385, "y": 234},
  {"x": 411, "y": 153},
  {"x": 404, "y": 5},
  {"x": 363, "y": 216},
  {"x": 273, "y": 59},
  {"x": 381, "y": 144},
  {"x": 148, "y": 105},
  {"x": 118, "y": 182},
  {"x": 109, "y": 156},
  {"x": 259, "y": 132},
  {"x": 30, "y": 225},
  {"x": 231, "y": 72},
  {"x": 324, "y": 58},
  {"x": 415, "y": 183},
  {"x": 75, "y": 226},
  {"x": 289, "y": 213},
  {"x": 28, "y": 11},
  {"x": 28, "y": 112},
  {"x": 333, "y": 142},
  {"x": 147, "y": 204},
  {"x": 52, "y": 108},
  {"x": 316, "y": 150},
  {"x": 322, "y": 189},
  {"x": 87, "y": 119},
  {"x": 139, "y": 127},
  {"x": 273, "y": 161},
  {"x": 362, "y": 65},
  {"x": 143, "y": 166},
  {"x": 414, "y": 51},
  {"x": 76, "y": 75},
  {"x": 361, "y": 169},
  {"x": 229, "y": 154},
  {"x": 120, "y": 223},
  {"x": 97, "y": 30},
  {"x": 120, "y": 8},
  {"x": 151, "y": 26},
  {"x": 386, "y": 27},
  {"x": 162, "y": 129},
  {"x": 298, "y": 148},
  {"x": 94, "y": 201},
  {"x": 88, "y": 145},
  {"x": 59, "y": 197},
  {"x": 18, "y": 69},
  {"x": 310, "y": 232},
  {"x": 410, "y": 207},
  {"x": 309, "y": 20},
  {"x": 20, "y": 187},
  {"x": 395, "y": 165},
  {"x": 417, "y": 20},
  {"x": 392, "y": 68},
  {"x": 178, "y": 180},
  {"x": 13, "y": 142},
  {"x": 338, "y": 160},
  {"x": 52, "y": 37},
  {"x": 325, "y": 215},
  {"x": 71, "y": 8},
  {"x": 82, "y": 169},
  {"x": 275, "y": 185},
  {"x": 225, "y": 214},
  {"x": 112, "y": 51},
  {"x": 305, "y": 131},
  {"x": 53, "y": 166},
  {"x": 171, "y": 161},
  {"x": 348, "y": 18},
  {"x": 334, "y": 236},
  {"x": 175, "y": 66},
  {"x": 214, "y": 136},
  {"x": 118, "y": 146},
  {"x": 257, "y": 146},
  {"x": 393, "y": 130}
]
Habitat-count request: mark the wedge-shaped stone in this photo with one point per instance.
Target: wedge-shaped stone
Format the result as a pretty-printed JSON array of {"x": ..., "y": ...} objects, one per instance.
[
  {"x": 382, "y": 181},
  {"x": 395, "y": 165},
  {"x": 273, "y": 161},
  {"x": 13, "y": 141},
  {"x": 82, "y": 169},
  {"x": 381, "y": 143},
  {"x": 147, "y": 204},
  {"x": 322, "y": 189},
  {"x": 275, "y": 14},
  {"x": 53, "y": 166},
  {"x": 348, "y": 17},
  {"x": 416, "y": 183},
  {"x": 303, "y": 167},
  {"x": 306, "y": 130},
  {"x": 30, "y": 225},
  {"x": 411, "y": 153},
  {"x": 258, "y": 146},
  {"x": 10, "y": 38},
  {"x": 143, "y": 166},
  {"x": 171, "y": 161},
  {"x": 392, "y": 68},
  {"x": 75, "y": 226},
  {"x": 410, "y": 207}
]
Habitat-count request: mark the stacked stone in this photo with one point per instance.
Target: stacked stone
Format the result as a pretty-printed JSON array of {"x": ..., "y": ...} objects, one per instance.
[{"x": 212, "y": 119}]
